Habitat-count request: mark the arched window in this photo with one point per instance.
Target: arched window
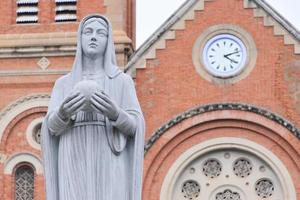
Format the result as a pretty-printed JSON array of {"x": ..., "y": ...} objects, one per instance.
[
  {"x": 24, "y": 185},
  {"x": 27, "y": 11}
]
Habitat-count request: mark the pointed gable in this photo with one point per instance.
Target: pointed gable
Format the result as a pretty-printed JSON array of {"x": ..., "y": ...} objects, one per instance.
[
  {"x": 170, "y": 79},
  {"x": 177, "y": 21}
]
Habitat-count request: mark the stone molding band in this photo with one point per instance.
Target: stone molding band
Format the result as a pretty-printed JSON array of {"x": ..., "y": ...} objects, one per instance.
[{"x": 217, "y": 107}]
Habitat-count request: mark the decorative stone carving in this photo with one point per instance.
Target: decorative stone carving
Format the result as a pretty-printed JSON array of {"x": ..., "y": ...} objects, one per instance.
[
  {"x": 264, "y": 188},
  {"x": 228, "y": 195},
  {"x": 212, "y": 168},
  {"x": 242, "y": 167},
  {"x": 190, "y": 189},
  {"x": 43, "y": 63}
]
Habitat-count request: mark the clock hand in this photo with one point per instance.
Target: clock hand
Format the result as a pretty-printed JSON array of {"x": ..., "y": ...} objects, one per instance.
[
  {"x": 231, "y": 59},
  {"x": 229, "y": 54}
]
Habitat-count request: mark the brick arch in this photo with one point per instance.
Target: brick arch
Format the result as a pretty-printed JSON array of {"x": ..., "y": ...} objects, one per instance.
[
  {"x": 16, "y": 160},
  {"x": 215, "y": 121},
  {"x": 17, "y": 119},
  {"x": 215, "y": 107},
  {"x": 8, "y": 114}
]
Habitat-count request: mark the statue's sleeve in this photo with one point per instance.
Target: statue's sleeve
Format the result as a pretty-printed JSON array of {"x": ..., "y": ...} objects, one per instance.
[
  {"x": 57, "y": 125},
  {"x": 50, "y": 148},
  {"x": 128, "y": 121},
  {"x": 130, "y": 109},
  {"x": 125, "y": 123}
]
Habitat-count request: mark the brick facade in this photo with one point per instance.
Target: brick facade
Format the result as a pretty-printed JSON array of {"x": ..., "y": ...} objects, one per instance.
[{"x": 168, "y": 86}]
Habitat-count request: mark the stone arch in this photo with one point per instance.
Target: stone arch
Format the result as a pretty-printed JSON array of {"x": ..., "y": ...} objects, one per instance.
[
  {"x": 16, "y": 159},
  {"x": 19, "y": 106},
  {"x": 288, "y": 191},
  {"x": 218, "y": 107},
  {"x": 215, "y": 121}
]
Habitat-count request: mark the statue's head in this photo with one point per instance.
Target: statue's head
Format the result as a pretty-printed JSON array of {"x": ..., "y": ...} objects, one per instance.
[{"x": 94, "y": 37}]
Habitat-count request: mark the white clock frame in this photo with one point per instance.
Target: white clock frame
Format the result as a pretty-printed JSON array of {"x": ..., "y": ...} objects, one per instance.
[
  {"x": 235, "y": 31},
  {"x": 224, "y": 71}
]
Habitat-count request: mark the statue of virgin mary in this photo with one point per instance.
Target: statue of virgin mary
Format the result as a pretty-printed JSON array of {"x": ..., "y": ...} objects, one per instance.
[{"x": 93, "y": 133}]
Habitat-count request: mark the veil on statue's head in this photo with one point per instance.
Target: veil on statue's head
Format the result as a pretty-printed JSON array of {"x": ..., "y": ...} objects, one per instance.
[{"x": 110, "y": 65}]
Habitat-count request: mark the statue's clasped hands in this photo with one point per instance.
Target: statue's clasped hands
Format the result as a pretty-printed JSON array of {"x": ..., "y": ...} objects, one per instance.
[
  {"x": 71, "y": 105},
  {"x": 99, "y": 102}
]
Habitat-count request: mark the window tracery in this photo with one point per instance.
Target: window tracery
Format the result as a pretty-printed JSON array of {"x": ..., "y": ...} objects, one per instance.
[
  {"x": 24, "y": 185},
  {"x": 229, "y": 174}
]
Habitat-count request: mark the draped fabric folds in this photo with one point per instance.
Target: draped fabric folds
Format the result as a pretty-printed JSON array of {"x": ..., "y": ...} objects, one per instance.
[{"x": 117, "y": 157}]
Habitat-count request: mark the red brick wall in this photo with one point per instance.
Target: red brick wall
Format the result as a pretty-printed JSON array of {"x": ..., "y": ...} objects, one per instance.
[
  {"x": 46, "y": 17},
  {"x": 170, "y": 85},
  {"x": 13, "y": 142},
  {"x": 211, "y": 125}
]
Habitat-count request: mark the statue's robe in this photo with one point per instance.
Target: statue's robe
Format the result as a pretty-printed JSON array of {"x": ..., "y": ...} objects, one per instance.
[{"x": 102, "y": 160}]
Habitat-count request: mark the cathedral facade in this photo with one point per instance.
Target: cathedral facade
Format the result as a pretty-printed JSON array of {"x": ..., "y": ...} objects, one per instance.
[{"x": 218, "y": 83}]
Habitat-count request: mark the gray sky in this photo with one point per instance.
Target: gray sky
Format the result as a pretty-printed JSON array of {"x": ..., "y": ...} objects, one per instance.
[{"x": 152, "y": 13}]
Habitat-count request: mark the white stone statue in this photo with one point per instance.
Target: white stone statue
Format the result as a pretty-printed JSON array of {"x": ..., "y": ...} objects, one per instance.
[{"x": 93, "y": 134}]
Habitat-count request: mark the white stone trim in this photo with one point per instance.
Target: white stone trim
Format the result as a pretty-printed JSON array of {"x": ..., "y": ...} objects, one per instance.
[
  {"x": 225, "y": 143},
  {"x": 29, "y": 133},
  {"x": 19, "y": 106},
  {"x": 270, "y": 21},
  {"x": 33, "y": 72},
  {"x": 160, "y": 43},
  {"x": 46, "y": 44},
  {"x": 14, "y": 160}
]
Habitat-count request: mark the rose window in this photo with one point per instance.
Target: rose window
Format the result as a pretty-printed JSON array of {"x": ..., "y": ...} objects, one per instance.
[
  {"x": 191, "y": 190},
  {"x": 264, "y": 188},
  {"x": 242, "y": 167},
  {"x": 212, "y": 168},
  {"x": 228, "y": 174}
]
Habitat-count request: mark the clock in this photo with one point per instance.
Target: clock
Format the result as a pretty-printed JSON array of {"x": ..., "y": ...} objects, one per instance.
[{"x": 224, "y": 55}]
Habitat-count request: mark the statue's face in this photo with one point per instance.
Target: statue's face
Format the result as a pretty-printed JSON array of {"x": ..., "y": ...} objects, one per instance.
[{"x": 94, "y": 39}]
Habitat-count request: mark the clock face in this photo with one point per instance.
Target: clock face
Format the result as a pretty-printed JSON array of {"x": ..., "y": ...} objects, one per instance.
[{"x": 224, "y": 55}]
